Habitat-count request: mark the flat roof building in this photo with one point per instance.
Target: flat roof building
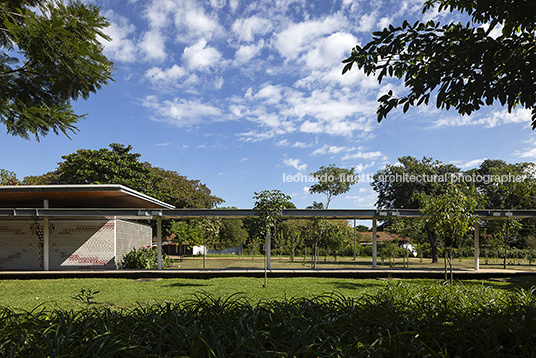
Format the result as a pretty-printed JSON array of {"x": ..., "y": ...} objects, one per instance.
[{"x": 93, "y": 241}]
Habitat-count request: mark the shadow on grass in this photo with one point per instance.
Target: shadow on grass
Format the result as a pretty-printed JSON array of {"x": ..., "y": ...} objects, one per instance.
[
  {"x": 343, "y": 285},
  {"x": 511, "y": 284},
  {"x": 187, "y": 284}
]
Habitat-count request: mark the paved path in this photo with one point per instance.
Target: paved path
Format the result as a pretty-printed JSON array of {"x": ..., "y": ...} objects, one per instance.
[{"x": 459, "y": 274}]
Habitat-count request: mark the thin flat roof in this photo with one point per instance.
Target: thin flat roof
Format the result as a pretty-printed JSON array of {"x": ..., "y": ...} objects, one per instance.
[{"x": 77, "y": 196}]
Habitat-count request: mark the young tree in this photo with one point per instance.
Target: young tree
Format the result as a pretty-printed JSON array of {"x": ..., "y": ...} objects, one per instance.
[
  {"x": 186, "y": 233},
  {"x": 268, "y": 205},
  {"x": 51, "y": 55},
  {"x": 211, "y": 229},
  {"x": 450, "y": 214},
  {"x": 333, "y": 181},
  {"x": 506, "y": 230},
  {"x": 465, "y": 65}
]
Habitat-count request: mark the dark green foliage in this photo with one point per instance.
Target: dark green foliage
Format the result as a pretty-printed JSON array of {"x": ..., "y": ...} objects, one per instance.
[
  {"x": 396, "y": 190},
  {"x": 332, "y": 181},
  {"x": 462, "y": 64},
  {"x": 116, "y": 165},
  {"x": 400, "y": 320},
  {"x": 8, "y": 178},
  {"x": 86, "y": 295},
  {"x": 144, "y": 259},
  {"x": 232, "y": 234},
  {"x": 179, "y": 191},
  {"x": 50, "y": 55}
]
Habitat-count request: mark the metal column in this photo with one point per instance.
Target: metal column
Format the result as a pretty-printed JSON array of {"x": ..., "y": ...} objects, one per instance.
[
  {"x": 355, "y": 235},
  {"x": 374, "y": 245},
  {"x": 159, "y": 242},
  {"x": 477, "y": 246}
]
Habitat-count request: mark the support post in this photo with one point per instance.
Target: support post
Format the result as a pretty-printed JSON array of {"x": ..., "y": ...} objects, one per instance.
[
  {"x": 159, "y": 242},
  {"x": 46, "y": 240},
  {"x": 355, "y": 236},
  {"x": 268, "y": 250},
  {"x": 46, "y": 234},
  {"x": 477, "y": 246},
  {"x": 374, "y": 245}
]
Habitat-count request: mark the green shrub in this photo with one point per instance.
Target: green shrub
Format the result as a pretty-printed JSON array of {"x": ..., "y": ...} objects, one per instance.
[
  {"x": 399, "y": 320},
  {"x": 144, "y": 259}
]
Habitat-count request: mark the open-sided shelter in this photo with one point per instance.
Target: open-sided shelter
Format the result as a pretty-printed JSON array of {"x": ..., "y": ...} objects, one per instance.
[{"x": 83, "y": 242}]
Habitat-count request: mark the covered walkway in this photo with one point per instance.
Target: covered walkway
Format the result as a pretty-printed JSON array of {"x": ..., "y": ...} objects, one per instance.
[{"x": 165, "y": 214}]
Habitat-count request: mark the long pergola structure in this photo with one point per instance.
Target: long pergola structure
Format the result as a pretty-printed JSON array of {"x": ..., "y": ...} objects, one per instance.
[{"x": 167, "y": 214}]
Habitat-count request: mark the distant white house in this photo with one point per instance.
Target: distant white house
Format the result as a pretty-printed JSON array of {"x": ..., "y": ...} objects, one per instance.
[{"x": 403, "y": 242}]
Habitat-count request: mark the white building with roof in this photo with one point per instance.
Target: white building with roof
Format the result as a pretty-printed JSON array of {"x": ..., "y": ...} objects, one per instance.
[{"x": 90, "y": 240}]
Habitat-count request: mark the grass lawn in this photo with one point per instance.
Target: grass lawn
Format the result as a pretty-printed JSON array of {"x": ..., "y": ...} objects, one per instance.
[
  {"x": 127, "y": 293},
  {"x": 283, "y": 262},
  {"x": 368, "y": 318}
]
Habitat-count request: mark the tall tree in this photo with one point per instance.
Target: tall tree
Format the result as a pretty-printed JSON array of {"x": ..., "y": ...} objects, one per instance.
[
  {"x": 8, "y": 178},
  {"x": 232, "y": 234},
  {"x": 399, "y": 185},
  {"x": 333, "y": 181},
  {"x": 118, "y": 165},
  {"x": 505, "y": 185},
  {"x": 465, "y": 65},
  {"x": 51, "y": 55}
]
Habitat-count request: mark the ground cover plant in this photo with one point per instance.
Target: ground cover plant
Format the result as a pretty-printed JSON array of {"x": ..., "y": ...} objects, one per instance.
[{"x": 400, "y": 319}]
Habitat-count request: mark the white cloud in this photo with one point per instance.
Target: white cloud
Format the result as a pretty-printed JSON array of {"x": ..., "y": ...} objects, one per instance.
[
  {"x": 120, "y": 48},
  {"x": 496, "y": 118},
  {"x": 180, "y": 112},
  {"x": 295, "y": 163},
  {"x": 327, "y": 149},
  {"x": 472, "y": 163},
  {"x": 330, "y": 50},
  {"x": 245, "y": 53},
  {"x": 363, "y": 155},
  {"x": 246, "y": 29},
  {"x": 153, "y": 45},
  {"x": 360, "y": 168},
  {"x": 363, "y": 201},
  {"x": 157, "y": 74},
  {"x": 199, "y": 56},
  {"x": 299, "y": 37}
]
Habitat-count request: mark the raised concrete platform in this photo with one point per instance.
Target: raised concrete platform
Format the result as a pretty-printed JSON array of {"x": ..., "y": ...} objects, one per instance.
[{"x": 211, "y": 273}]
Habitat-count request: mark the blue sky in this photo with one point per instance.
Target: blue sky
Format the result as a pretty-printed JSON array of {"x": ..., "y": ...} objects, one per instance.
[{"x": 238, "y": 94}]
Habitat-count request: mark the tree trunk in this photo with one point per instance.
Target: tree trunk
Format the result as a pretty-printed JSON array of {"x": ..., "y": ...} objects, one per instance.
[{"x": 432, "y": 238}]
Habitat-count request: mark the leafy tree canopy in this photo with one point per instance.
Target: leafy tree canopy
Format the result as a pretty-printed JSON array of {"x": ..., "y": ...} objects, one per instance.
[
  {"x": 463, "y": 64},
  {"x": 398, "y": 185},
  {"x": 505, "y": 185},
  {"x": 8, "y": 178},
  {"x": 268, "y": 205},
  {"x": 50, "y": 55},
  {"x": 118, "y": 165},
  {"x": 173, "y": 188},
  {"x": 333, "y": 181},
  {"x": 450, "y": 213}
]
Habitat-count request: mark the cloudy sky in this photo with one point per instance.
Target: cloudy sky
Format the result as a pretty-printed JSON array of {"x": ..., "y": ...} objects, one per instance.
[{"x": 239, "y": 94}]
